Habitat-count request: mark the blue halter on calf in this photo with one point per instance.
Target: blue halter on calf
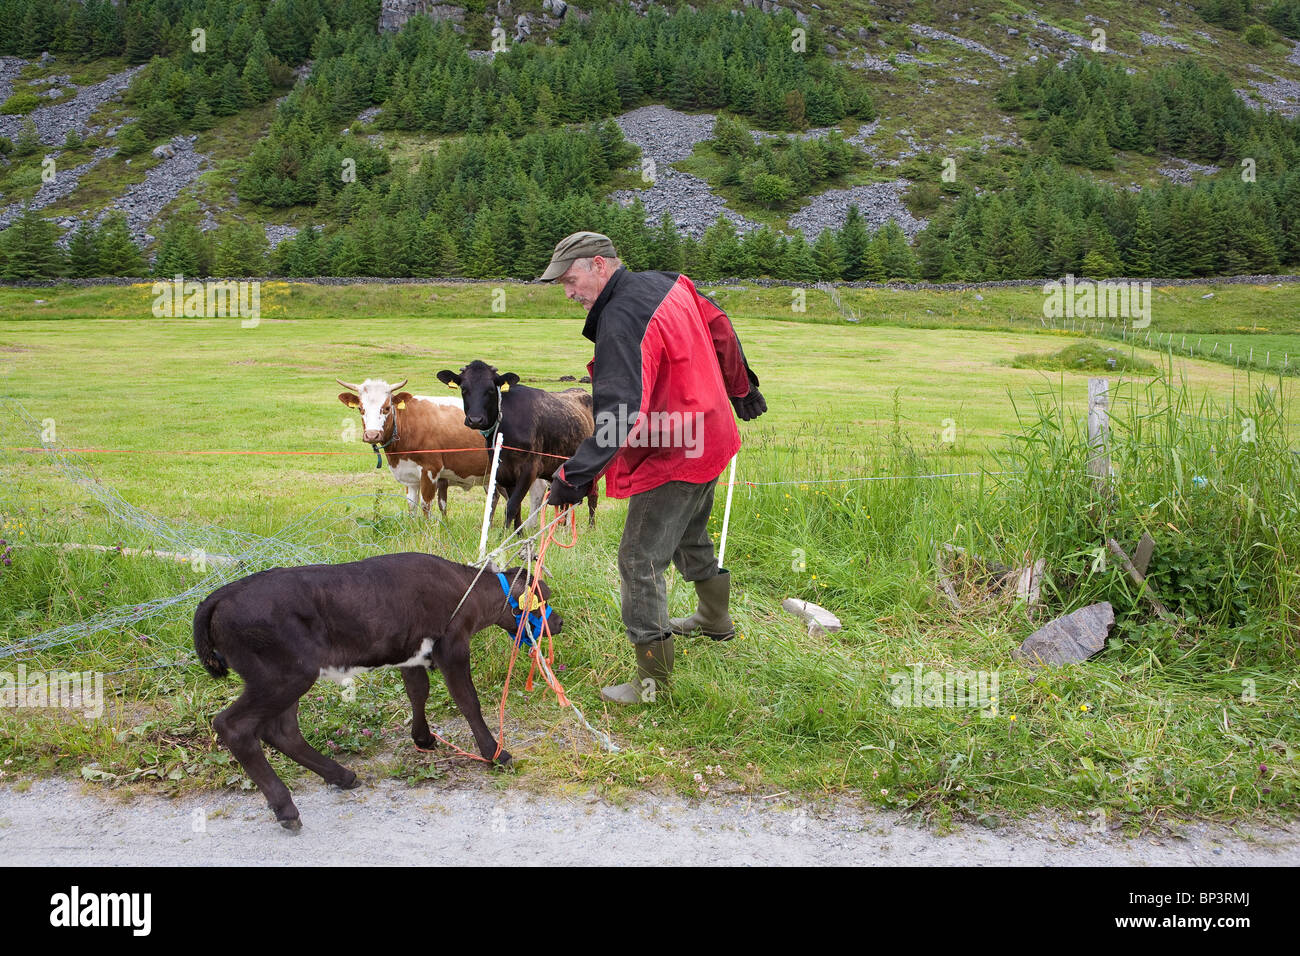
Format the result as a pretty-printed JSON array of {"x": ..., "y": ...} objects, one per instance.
[{"x": 532, "y": 629}]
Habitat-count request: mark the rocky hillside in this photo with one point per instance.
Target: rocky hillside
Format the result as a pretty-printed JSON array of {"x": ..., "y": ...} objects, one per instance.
[{"x": 933, "y": 70}]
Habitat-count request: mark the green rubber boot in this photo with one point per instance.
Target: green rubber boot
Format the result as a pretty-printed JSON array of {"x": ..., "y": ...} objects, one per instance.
[
  {"x": 654, "y": 665},
  {"x": 711, "y": 617}
]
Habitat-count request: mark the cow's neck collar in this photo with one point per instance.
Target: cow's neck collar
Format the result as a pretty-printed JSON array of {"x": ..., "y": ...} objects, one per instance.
[
  {"x": 593, "y": 317},
  {"x": 380, "y": 448}
]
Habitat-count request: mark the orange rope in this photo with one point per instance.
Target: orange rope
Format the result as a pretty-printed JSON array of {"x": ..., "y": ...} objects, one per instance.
[
  {"x": 546, "y": 627},
  {"x": 445, "y": 741},
  {"x": 548, "y": 672},
  {"x": 221, "y": 451}
]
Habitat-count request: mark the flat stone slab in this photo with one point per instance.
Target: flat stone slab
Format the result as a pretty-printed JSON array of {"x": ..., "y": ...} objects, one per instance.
[
  {"x": 820, "y": 620},
  {"x": 1069, "y": 639}
]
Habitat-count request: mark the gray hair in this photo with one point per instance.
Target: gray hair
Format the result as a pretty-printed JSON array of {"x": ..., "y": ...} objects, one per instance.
[{"x": 589, "y": 261}]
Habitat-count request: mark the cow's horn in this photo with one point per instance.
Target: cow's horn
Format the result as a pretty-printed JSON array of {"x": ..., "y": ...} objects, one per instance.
[
  {"x": 399, "y": 385},
  {"x": 355, "y": 388}
]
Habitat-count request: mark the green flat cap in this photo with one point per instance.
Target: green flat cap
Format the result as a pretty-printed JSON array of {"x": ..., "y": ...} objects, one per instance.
[{"x": 580, "y": 245}]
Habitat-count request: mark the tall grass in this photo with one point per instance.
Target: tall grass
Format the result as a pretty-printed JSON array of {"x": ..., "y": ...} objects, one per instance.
[{"x": 1213, "y": 482}]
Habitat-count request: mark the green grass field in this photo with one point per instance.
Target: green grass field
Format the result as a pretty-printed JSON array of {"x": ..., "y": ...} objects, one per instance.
[{"x": 1196, "y": 720}]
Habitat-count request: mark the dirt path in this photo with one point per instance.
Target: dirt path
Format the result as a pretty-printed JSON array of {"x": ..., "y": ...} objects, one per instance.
[{"x": 59, "y": 822}]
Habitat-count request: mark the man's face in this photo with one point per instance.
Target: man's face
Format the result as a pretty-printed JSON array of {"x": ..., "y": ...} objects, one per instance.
[{"x": 584, "y": 280}]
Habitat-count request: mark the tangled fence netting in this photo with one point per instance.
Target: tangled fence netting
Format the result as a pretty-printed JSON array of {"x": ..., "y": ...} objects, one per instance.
[{"x": 346, "y": 527}]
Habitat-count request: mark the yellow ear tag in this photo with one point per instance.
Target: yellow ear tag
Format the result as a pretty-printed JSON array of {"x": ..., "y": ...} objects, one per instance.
[
  {"x": 354, "y": 404},
  {"x": 526, "y": 601},
  {"x": 452, "y": 385},
  {"x": 505, "y": 386},
  {"x": 401, "y": 404}
]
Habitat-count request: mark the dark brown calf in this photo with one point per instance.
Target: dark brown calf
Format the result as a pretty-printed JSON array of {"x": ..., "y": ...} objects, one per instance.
[{"x": 283, "y": 629}]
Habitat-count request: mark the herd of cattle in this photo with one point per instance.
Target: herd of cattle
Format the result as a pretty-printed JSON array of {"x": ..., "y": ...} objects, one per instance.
[{"x": 433, "y": 443}]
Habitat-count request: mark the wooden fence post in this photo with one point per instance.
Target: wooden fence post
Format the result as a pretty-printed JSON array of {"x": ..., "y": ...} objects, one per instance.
[{"x": 1099, "y": 429}]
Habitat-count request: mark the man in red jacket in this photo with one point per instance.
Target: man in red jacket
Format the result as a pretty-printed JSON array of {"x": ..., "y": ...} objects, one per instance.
[{"x": 667, "y": 373}]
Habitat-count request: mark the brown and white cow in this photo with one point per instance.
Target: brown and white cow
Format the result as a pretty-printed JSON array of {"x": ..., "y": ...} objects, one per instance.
[{"x": 410, "y": 430}]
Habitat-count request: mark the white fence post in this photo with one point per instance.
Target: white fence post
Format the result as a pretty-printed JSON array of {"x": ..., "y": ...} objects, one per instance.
[
  {"x": 726, "y": 513},
  {"x": 491, "y": 493}
]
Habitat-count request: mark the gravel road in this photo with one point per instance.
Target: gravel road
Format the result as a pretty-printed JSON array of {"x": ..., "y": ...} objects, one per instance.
[{"x": 59, "y": 822}]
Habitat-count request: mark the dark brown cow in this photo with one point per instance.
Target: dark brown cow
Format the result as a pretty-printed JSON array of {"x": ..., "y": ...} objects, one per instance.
[{"x": 551, "y": 425}]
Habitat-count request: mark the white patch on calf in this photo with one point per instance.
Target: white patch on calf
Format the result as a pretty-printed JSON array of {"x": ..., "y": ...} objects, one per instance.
[
  {"x": 420, "y": 658},
  {"x": 340, "y": 675}
]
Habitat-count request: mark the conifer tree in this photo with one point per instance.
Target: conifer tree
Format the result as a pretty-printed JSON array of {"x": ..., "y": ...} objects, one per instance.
[
  {"x": 797, "y": 263},
  {"x": 83, "y": 251},
  {"x": 29, "y": 248},
  {"x": 28, "y": 140},
  {"x": 665, "y": 246},
  {"x": 481, "y": 260},
  {"x": 1143, "y": 257},
  {"x": 347, "y": 258},
  {"x": 310, "y": 250},
  {"x": 241, "y": 250},
  {"x": 896, "y": 255},
  {"x": 721, "y": 250},
  {"x": 118, "y": 253},
  {"x": 202, "y": 118},
  {"x": 158, "y": 119},
  {"x": 763, "y": 250},
  {"x": 131, "y": 140},
  {"x": 256, "y": 79},
  {"x": 232, "y": 87},
  {"x": 178, "y": 248},
  {"x": 826, "y": 254}
]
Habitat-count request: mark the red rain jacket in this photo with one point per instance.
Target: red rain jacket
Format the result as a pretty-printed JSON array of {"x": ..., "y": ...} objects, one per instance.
[{"x": 667, "y": 362}]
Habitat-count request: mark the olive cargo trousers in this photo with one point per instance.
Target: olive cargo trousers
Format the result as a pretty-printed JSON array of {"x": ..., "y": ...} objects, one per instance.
[{"x": 668, "y": 523}]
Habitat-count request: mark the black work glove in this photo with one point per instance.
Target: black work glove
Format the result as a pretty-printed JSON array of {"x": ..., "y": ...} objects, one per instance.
[
  {"x": 563, "y": 493},
  {"x": 751, "y": 406}
]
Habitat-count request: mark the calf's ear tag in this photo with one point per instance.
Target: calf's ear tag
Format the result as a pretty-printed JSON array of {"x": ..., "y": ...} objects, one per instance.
[
  {"x": 505, "y": 386},
  {"x": 452, "y": 385},
  {"x": 526, "y": 601}
]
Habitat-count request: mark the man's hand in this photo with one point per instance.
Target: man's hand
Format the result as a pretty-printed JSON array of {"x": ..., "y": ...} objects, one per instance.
[
  {"x": 751, "y": 406},
  {"x": 563, "y": 493}
]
